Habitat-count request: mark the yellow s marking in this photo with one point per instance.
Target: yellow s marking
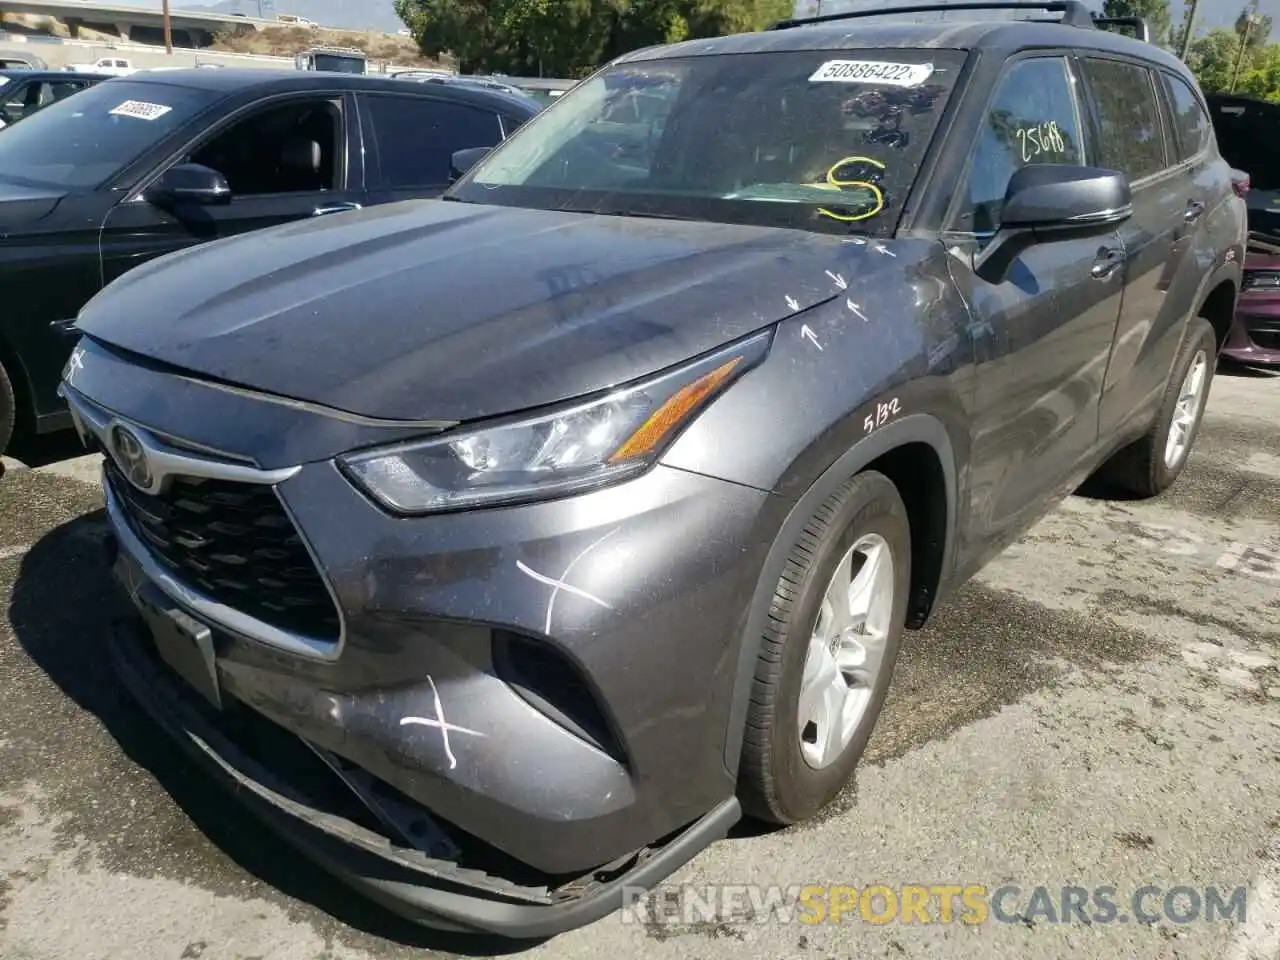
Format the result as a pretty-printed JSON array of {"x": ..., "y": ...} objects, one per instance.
[{"x": 839, "y": 184}]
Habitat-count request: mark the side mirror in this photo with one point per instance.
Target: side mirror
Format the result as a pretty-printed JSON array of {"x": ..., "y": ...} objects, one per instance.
[
  {"x": 464, "y": 160},
  {"x": 190, "y": 183},
  {"x": 1049, "y": 202}
]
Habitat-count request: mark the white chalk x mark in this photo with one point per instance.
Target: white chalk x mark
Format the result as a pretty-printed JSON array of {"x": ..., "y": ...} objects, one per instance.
[
  {"x": 562, "y": 583},
  {"x": 441, "y": 723}
]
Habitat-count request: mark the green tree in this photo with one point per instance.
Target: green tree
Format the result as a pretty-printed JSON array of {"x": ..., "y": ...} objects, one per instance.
[
  {"x": 569, "y": 37},
  {"x": 1212, "y": 58},
  {"x": 1262, "y": 77},
  {"x": 1157, "y": 13}
]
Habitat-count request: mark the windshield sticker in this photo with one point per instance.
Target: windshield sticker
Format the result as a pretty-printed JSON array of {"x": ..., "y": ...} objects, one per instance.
[
  {"x": 843, "y": 175},
  {"x": 873, "y": 71},
  {"x": 141, "y": 110}
]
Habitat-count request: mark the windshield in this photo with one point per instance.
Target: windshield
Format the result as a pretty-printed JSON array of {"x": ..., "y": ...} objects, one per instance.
[
  {"x": 84, "y": 140},
  {"x": 811, "y": 139},
  {"x": 338, "y": 64}
]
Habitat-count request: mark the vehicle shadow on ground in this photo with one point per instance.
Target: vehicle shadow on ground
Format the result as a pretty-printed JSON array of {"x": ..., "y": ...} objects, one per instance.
[
  {"x": 64, "y": 604},
  {"x": 1230, "y": 368},
  {"x": 41, "y": 451}
]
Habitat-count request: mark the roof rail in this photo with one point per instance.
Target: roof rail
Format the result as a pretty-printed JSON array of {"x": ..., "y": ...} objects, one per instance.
[
  {"x": 1074, "y": 12},
  {"x": 1140, "y": 27}
]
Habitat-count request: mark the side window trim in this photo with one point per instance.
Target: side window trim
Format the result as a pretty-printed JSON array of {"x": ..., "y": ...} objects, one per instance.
[
  {"x": 1166, "y": 135},
  {"x": 212, "y": 132},
  {"x": 961, "y": 196}
]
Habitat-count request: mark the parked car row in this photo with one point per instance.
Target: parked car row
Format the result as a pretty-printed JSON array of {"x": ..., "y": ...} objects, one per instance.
[
  {"x": 502, "y": 552},
  {"x": 24, "y": 91},
  {"x": 128, "y": 169},
  {"x": 1248, "y": 133}
]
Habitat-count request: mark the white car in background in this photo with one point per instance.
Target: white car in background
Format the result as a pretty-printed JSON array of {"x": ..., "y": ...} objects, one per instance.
[{"x": 116, "y": 66}]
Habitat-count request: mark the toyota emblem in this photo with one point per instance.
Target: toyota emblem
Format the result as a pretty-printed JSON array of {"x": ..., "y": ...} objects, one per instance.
[{"x": 131, "y": 456}]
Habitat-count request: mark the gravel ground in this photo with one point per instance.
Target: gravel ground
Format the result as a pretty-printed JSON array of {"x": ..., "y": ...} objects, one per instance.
[{"x": 1100, "y": 708}]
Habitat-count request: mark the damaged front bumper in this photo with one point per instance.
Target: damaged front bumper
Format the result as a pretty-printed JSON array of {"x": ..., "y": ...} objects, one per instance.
[{"x": 361, "y": 830}]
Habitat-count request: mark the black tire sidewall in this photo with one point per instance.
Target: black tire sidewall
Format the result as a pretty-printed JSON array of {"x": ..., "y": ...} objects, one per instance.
[
  {"x": 1200, "y": 337},
  {"x": 8, "y": 410},
  {"x": 873, "y": 507}
]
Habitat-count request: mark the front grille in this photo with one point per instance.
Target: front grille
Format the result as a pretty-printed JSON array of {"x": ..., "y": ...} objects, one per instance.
[
  {"x": 1261, "y": 280},
  {"x": 1266, "y": 339},
  {"x": 234, "y": 543}
]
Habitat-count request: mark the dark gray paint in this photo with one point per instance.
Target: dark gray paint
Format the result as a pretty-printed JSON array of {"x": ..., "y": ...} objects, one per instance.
[{"x": 1016, "y": 391}]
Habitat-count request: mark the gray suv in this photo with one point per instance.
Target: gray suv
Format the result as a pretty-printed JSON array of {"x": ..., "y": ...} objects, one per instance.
[{"x": 503, "y": 550}]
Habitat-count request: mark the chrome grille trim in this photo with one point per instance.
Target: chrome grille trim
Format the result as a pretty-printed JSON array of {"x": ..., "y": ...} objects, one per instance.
[
  {"x": 216, "y": 613},
  {"x": 93, "y": 421}
]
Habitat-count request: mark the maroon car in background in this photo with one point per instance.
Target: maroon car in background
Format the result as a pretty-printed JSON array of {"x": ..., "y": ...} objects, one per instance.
[{"x": 1248, "y": 133}]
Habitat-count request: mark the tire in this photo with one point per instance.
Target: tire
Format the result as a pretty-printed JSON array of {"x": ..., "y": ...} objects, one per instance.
[
  {"x": 8, "y": 410},
  {"x": 779, "y": 781},
  {"x": 1143, "y": 468}
]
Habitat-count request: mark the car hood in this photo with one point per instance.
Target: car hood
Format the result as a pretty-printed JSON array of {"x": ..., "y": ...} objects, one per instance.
[
  {"x": 451, "y": 311},
  {"x": 20, "y": 205}
]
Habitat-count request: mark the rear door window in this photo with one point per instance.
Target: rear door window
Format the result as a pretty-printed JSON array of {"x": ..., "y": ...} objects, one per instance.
[
  {"x": 416, "y": 137},
  {"x": 1191, "y": 125},
  {"x": 1131, "y": 135}
]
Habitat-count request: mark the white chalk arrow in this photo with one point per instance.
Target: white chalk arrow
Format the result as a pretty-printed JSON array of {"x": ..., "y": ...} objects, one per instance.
[
  {"x": 838, "y": 280},
  {"x": 793, "y": 303},
  {"x": 810, "y": 336},
  {"x": 856, "y": 311}
]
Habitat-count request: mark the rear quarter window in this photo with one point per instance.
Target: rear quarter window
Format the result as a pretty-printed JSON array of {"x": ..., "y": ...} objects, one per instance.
[{"x": 1191, "y": 125}]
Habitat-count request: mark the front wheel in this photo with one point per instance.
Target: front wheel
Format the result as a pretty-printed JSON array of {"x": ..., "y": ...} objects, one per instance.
[
  {"x": 828, "y": 654},
  {"x": 8, "y": 409},
  {"x": 1150, "y": 466}
]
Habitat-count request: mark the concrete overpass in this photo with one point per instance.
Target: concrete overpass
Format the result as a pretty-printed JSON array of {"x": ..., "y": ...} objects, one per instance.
[{"x": 190, "y": 28}]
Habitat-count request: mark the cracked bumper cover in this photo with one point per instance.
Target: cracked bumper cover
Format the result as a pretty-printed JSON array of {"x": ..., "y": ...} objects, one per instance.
[
  {"x": 422, "y": 602},
  {"x": 435, "y": 893}
]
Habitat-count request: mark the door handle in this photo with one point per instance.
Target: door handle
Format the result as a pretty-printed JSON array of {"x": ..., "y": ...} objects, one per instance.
[
  {"x": 1195, "y": 210},
  {"x": 335, "y": 208},
  {"x": 1109, "y": 258}
]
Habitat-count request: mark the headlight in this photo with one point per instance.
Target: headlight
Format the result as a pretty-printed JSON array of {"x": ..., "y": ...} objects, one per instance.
[{"x": 567, "y": 450}]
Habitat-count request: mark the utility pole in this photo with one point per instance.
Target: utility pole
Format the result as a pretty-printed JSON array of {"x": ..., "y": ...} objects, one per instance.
[
  {"x": 168, "y": 29},
  {"x": 1250, "y": 20},
  {"x": 1188, "y": 28}
]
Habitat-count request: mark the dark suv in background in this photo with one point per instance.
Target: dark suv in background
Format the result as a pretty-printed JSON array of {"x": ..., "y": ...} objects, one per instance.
[
  {"x": 503, "y": 551},
  {"x": 1248, "y": 133},
  {"x": 93, "y": 186}
]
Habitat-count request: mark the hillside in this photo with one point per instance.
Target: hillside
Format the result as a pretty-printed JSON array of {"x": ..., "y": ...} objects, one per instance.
[
  {"x": 364, "y": 15},
  {"x": 290, "y": 41}
]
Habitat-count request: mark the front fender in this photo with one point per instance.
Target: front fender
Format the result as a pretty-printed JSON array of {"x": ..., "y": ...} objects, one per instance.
[{"x": 912, "y": 428}]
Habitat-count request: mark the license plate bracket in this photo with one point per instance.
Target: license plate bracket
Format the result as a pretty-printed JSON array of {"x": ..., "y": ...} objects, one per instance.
[{"x": 183, "y": 643}]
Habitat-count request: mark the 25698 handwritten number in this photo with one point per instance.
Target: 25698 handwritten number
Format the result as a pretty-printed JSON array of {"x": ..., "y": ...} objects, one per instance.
[{"x": 1040, "y": 139}]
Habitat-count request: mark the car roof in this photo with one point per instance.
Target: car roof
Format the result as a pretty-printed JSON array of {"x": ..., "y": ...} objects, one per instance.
[
  {"x": 231, "y": 80},
  {"x": 1000, "y": 36}
]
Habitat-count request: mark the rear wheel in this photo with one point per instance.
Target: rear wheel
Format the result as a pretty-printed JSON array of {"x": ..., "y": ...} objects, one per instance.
[
  {"x": 828, "y": 654},
  {"x": 8, "y": 409},
  {"x": 1150, "y": 466}
]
